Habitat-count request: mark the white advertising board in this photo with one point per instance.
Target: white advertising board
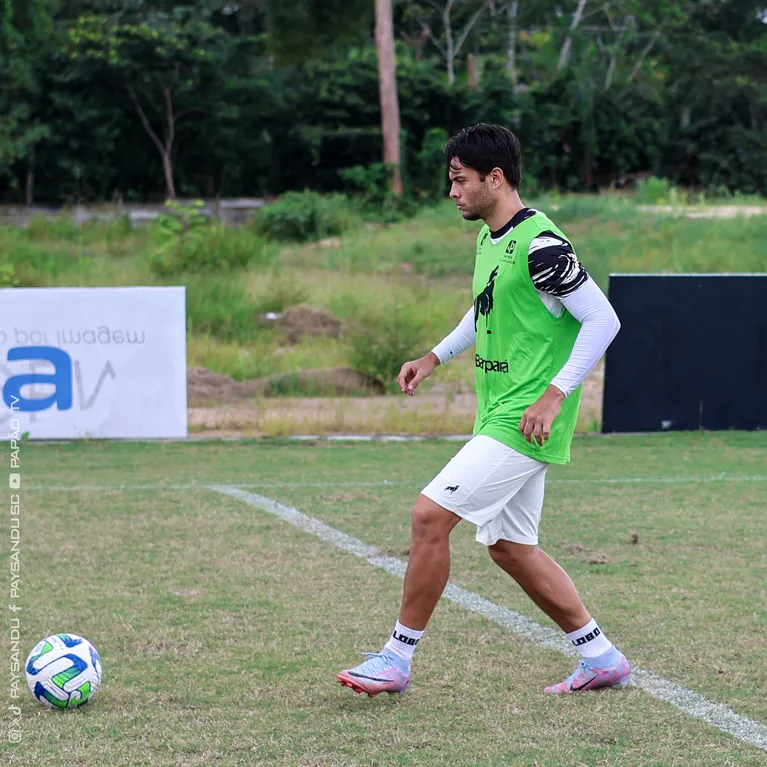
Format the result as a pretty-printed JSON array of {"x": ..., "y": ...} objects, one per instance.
[{"x": 93, "y": 362}]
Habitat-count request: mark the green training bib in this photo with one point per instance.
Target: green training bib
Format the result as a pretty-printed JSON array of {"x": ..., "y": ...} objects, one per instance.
[{"x": 520, "y": 344}]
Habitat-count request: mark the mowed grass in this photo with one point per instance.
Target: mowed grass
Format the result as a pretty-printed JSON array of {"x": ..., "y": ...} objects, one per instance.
[{"x": 221, "y": 627}]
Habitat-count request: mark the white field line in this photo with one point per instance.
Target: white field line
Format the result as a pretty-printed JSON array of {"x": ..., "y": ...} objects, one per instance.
[
  {"x": 394, "y": 483},
  {"x": 693, "y": 704}
]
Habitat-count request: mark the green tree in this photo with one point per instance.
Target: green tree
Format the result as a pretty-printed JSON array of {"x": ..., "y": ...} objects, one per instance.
[
  {"x": 169, "y": 65},
  {"x": 448, "y": 24},
  {"x": 26, "y": 31},
  {"x": 717, "y": 96},
  {"x": 308, "y": 29}
]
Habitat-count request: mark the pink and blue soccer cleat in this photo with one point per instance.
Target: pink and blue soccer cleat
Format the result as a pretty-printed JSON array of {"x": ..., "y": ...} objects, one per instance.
[
  {"x": 377, "y": 674},
  {"x": 588, "y": 677}
]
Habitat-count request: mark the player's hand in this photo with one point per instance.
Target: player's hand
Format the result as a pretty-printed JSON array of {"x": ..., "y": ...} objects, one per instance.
[
  {"x": 413, "y": 372},
  {"x": 537, "y": 419}
]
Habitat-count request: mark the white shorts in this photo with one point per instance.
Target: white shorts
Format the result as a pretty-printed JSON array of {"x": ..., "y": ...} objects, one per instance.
[{"x": 494, "y": 487}]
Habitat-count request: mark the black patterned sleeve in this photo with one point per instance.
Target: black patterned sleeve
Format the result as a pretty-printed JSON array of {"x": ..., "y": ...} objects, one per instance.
[{"x": 554, "y": 267}]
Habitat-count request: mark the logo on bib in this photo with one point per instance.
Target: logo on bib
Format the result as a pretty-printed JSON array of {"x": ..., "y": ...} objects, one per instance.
[
  {"x": 508, "y": 257},
  {"x": 491, "y": 366},
  {"x": 483, "y": 303}
]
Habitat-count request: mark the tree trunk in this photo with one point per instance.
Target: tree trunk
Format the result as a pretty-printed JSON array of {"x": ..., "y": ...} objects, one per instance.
[
  {"x": 611, "y": 69},
  {"x": 387, "y": 88},
  {"x": 449, "y": 45},
  {"x": 565, "y": 53},
  {"x": 165, "y": 149},
  {"x": 30, "y": 185},
  {"x": 472, "y": 68},
  {"x": 511, "y": 59},
  {"x": 167, "y": 166}
]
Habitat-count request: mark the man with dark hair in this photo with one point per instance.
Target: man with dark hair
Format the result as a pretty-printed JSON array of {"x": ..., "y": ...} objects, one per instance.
[{"x": 540, "y": 324}]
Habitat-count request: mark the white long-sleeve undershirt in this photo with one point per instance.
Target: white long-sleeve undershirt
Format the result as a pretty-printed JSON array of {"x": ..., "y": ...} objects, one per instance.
[
  {"x": 459, "y": 340},
  {"x": 588, "y": 304}
]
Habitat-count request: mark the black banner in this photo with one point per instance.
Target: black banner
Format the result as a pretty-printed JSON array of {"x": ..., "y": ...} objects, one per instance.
[{"x": 691, "y": 353}]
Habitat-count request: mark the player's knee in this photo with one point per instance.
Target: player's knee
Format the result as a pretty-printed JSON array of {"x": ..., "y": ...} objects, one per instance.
[
  {"x": 496, "y": 554},
  {"x": 429, "y": 522},
  {"x": 512, "y": 557}
]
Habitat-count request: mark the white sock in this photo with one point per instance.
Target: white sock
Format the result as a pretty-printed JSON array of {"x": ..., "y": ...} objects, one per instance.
[
  {"x": 403, "y": 641},
  {"x": 589, "y": 640}
]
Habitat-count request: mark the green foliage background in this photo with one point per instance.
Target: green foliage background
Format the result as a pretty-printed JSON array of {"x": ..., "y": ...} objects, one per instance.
[{"x": 274, "y": 96}]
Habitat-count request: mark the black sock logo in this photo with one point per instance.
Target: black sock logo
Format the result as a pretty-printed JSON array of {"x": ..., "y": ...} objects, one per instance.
[
  {"x": 587, "y": 638},
  {"x": 405, "y": 640}
]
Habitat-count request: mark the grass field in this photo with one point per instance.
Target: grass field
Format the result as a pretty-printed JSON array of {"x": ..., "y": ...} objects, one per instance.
[{"x": 221, "y": 627}]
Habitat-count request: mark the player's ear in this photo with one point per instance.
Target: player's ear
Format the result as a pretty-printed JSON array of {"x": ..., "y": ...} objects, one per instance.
[{"x": 497, "y": 178}]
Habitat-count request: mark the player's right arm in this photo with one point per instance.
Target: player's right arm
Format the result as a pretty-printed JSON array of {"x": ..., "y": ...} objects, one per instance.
[{"x": 413, "y": 372}]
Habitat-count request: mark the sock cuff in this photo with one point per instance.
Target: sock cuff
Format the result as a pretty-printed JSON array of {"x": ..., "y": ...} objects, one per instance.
[
  {"x": 401, "y": 631},
  {"x": 582, "y": 633},
  {"x": 403, "y": 641},
  {"x": 590, "y": 640}
]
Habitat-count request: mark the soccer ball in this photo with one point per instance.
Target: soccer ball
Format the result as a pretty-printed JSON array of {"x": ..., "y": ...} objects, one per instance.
[{"x": 63, "y": 671}]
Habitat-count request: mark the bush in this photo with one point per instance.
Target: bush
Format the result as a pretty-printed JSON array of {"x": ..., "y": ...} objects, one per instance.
[
  {"x": 281, "y": 294},
  {"x": 189, "y": 241},
  {"x": 305, "y": 216},
  {"x": 239, "y": 361},
  {"x": 219, "y": 306},
  {"x": 374, "y": 197},
  {"x": 652, "y": 191},
  {"x": 429, "y": 173},
  {"x": 215, "y": 248},
  {"x": 35, "y": 263},
  {"x": 383, "y": 338},
  {"x": 60, "y": 227},
  {"x": 372, "y": 182},
  {"x": 8, "y": 276}
]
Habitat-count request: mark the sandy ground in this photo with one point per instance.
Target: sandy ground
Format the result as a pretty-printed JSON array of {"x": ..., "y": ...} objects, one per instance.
[
  {"x": 433, "y": 413},
  {"x": 718, "y": 211}
]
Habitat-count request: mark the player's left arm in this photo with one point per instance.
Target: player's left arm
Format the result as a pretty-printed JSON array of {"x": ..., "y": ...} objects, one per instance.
[{"x": 555, "y": 270}]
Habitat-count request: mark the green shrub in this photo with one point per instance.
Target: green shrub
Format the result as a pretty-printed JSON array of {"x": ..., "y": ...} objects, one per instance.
[
  {"x": 429, "y": 173},
  {"x": 374, "y": 197},
  {"x": 61, "y": 227},
  {"x": 215, "y": 248},
  {"x": 8, "y": 276},
  {"x": 239, "y": 361},
  {"x": 35, "y": 263},
  {"x": 305, "y": 216},
  {"x": 653, "y": 191},
  {"x": 281, "y": 294},
  {"x": 372, "y": 182},
  {"x": 218, "y": 305},
  {"x": 188, "y": 241},
  {"x": 383, "y": 337}
]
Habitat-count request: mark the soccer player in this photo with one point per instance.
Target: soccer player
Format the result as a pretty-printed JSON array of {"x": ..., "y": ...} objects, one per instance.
[{"x": 540, "y": 324}]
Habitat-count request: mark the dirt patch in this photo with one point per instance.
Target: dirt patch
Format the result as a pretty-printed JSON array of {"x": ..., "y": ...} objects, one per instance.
[
  {"x": 590, "y": 556},
  {"x": 208, "y": 389},
  {"x": 718, "y": 211},
  {"x": 305, "y": 321},
  {"x": 219, "y": 406},
  {"x": 332, "y": 382},
  {"x": 205, "y": 386},
  {"x": 424, "y": 414}
]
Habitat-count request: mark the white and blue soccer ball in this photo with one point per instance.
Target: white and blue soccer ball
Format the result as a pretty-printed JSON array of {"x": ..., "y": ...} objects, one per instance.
[{"x": 63, "y": 671}]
